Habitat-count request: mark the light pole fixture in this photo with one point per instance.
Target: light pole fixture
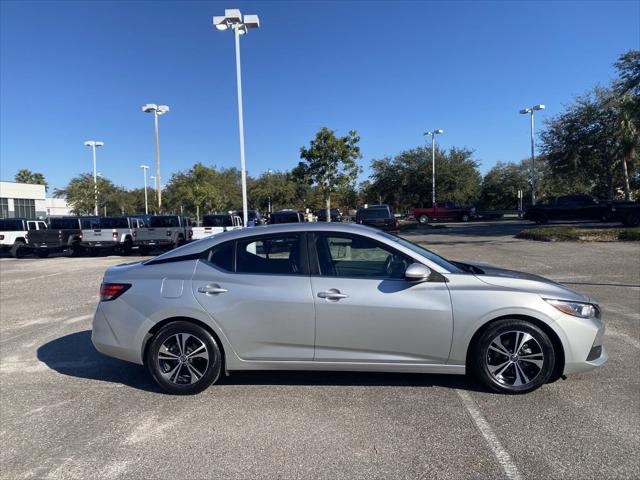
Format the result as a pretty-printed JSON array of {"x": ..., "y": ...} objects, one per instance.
[
  {"x": 433, "y": 134},
  {"x": 146, "y": 202},
  {"x": 157, "y": 111},
  {"x": 530, "y": 111},
  {"x": 233, "y": 19},
  {"x": 94, "y": 144}
]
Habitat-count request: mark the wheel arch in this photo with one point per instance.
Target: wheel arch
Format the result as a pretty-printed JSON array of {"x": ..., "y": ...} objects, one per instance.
[
  {"x": 156, "y": 328},
  {"x": 545, "y": 327}
]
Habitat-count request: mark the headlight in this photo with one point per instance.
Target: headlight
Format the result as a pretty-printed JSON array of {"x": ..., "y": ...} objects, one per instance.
[{"x": 577, "y": 309}]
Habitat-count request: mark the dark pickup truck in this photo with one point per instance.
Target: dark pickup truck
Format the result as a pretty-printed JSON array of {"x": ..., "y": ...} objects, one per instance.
[
  {"x": 64, "y": 233},
  {"x": 626, "y": 212},
  {"x": 569, "y": 207},
  {"x": 585, "y": 207}
]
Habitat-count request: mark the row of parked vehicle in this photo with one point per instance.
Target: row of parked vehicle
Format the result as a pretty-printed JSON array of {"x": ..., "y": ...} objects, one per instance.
[
  {"x": 92, "y": 234},
  {"x": 83, "y": 234}
]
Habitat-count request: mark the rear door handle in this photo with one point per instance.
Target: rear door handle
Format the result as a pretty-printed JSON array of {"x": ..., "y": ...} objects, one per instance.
[
  {"x": 333, "y": 294},
  {"x": 212, "y": 289}
]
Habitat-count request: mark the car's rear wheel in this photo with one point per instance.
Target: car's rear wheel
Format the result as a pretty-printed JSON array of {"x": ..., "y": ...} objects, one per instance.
[
  {"x": 184, "y": 358},
  {"x": 76, "y": 249},
  {"x": 18, "y": 249},
  {"x": 423, "y": 219},
  {"x": 632, "y": 220},
  {"x": 513, "y": 356},
  {"x": 127, "y": 247}
]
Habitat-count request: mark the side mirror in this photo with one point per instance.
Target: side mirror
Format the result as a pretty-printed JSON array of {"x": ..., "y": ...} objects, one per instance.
[{"x": 416, "y": 272}]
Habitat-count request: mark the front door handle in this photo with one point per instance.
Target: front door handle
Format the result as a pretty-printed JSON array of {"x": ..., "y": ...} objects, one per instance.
[
  {"x": 333, "y": 294},
  {"x": 212, "y": 289}
]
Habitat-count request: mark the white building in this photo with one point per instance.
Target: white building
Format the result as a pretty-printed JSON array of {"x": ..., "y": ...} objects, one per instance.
[{"x": 30, "y": 201}]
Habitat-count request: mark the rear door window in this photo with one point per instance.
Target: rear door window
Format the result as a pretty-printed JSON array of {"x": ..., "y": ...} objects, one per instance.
[{"x": 278, "y": 255}]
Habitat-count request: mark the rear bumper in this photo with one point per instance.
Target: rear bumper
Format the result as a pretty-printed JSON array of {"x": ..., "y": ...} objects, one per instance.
[
  {"x": 117, "y": 339},
  {"x": 99, "y": 244},
  {"x": 154, "y": 242}
]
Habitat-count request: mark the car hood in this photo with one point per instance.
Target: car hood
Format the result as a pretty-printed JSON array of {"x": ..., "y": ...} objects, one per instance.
[{"x": 529, "y": 282}]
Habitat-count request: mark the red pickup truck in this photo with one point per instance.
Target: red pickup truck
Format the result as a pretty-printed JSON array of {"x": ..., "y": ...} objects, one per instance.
[{"x": 442, "y": 211}]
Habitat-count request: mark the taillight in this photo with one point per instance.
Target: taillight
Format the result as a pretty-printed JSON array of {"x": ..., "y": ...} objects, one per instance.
[
  {"x": 135, "y": 234},
  {"x": 168, "y": 233},
  {"x": 115, "y": 234},
  {"x": 80, "y": 236},
  {"x": 2, "y": 236},
  {"x": 111, "y": 291},
  {"x": 59, "y": 235}
]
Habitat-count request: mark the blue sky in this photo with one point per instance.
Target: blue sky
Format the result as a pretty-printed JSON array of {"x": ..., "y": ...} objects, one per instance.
[{"x": 72, "y": 71}]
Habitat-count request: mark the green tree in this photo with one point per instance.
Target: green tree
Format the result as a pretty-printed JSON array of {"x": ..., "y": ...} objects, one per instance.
[
  {"x": 276, "y": 188},
  {"x": 329, "y": 163},
  {"x": 593, "y": 144},
  {"x": 501, "y": 184},
  {"x": 35, "y": 178},
  {"x": 405, "y": 181},
  {"x": 202, "y": 190},
  {"x": 79, "y": 193}
]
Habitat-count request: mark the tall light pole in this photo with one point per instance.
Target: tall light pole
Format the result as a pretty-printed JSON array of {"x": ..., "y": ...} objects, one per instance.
[
  {"x": 433, "y": 163},
  {"x": 146, "y": 202},
  {"x": 233, "y": 19},
  {"x": 157, "y": 111},
  {"x": 269, "y": 172},
  {"x": 524, "y": 111},
  {"x": 94, "y": 144}
]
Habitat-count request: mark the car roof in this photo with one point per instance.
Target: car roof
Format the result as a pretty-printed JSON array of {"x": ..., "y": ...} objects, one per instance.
[
  {"x": 202, "y": 244},
  {"x": 194, "y": 249}
]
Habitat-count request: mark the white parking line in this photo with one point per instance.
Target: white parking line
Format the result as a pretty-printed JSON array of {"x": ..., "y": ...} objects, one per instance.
[{"x": 503, "y": 457}]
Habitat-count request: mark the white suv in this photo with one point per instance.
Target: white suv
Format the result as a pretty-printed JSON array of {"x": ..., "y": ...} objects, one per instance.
[{"x": 13, "y": 233}]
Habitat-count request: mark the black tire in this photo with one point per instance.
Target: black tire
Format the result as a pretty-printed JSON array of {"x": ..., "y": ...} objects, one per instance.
[
  {"x": 180, "y": 241},
  {"x": 632, "y": 220},
  {"x": 423, "y": 219},
  {"x": 18, "y": 249},
  {"x": 42, "y": 253},
  {"x": 537, "y": 369},
  {"x": 175, "y": 376},
  {"x": 127, "y": 246},
  {"x": 76, "y": 249}
]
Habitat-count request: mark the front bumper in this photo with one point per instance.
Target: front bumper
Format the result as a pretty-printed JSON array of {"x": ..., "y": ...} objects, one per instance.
[{"x": 584, "y": 350}]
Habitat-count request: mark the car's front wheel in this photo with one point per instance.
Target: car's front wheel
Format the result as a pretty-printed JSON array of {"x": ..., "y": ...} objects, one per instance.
[
  {"x": 423, "y": 219},
  {"x": 513, "y": 356},
  {"x": 184, "y": 358}
]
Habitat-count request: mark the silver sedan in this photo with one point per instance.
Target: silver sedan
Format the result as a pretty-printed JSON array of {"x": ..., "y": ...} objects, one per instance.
[{"x": 329, "y": 296}]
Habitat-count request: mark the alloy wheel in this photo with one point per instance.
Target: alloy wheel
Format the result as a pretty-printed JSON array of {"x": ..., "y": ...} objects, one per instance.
[
  {"x": 514, "y": 358},
  {"x": 183, "y": 359}
]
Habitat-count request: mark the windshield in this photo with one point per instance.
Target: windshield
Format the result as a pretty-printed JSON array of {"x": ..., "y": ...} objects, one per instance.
[
  {"x": 450, "y": 267},
  {"x": 217, "y": 221}
]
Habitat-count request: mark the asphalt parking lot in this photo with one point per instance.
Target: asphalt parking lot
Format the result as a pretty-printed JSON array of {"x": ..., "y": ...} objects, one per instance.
[{"x": 69, "y": 412}]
